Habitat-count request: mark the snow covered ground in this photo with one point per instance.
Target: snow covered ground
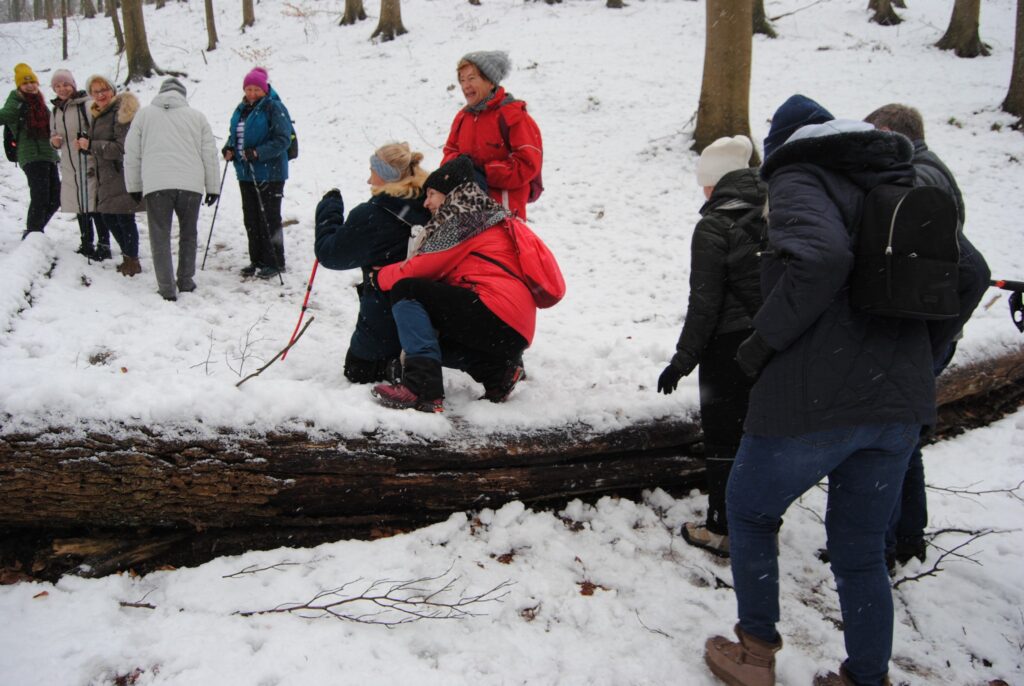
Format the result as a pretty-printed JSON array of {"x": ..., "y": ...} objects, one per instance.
[
  {"x": 83, "y": 348},
  {"x": 613, "y": 91},
  {"x": 602, "y": 595}
]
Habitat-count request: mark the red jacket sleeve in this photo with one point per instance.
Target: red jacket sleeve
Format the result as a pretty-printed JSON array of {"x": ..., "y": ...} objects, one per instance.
[
  {"x": 451, "y": 146},
  {"x": 434, "y": 265}
]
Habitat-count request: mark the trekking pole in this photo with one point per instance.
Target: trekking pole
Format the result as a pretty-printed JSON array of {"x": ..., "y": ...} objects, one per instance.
[
  {"x": 215, "y": 208},
  {"x": 302, "y": 312},
  {"x": 1016, "y": 300},
  {"x": 266, "y": 223}
]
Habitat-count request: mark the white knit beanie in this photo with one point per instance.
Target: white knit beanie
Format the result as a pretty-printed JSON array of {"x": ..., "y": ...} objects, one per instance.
[{"x": 721, "y": 157}]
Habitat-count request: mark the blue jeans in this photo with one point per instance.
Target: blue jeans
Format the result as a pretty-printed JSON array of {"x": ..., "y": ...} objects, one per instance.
[
  {"x": 865, "y": 467},
  {"x": 124, "y": 230}
]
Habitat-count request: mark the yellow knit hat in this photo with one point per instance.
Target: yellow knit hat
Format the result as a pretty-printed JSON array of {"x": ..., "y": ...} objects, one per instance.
[{"x": 23, "y": 74}]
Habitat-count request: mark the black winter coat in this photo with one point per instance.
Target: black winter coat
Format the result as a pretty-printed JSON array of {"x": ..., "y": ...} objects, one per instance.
[
  {"x": 833, "y": 366},
  {"x": 725, "y": 290}
]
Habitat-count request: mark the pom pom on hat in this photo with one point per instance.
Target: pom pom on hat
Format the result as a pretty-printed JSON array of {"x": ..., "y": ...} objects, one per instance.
[
  {"x": 257, "y": 77},
  {"x": 721, "y": 157},
  {"x": 63, "y": 76},
  {"x": 173, "y": 84},
  {"x": 451, "y": 175},
  {"x": 23, "y": 74},
  {"x": 495, "y": 65},
  {"x": 797, "y": 111}
]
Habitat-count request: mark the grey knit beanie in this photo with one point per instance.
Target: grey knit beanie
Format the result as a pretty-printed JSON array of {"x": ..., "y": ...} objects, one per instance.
[
  {"x": 173, "y": 84},
  {"x": 495, "y": 65}
]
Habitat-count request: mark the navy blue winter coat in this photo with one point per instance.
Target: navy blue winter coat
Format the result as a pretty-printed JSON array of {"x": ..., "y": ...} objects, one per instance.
[
  {"x": 833, "y": 366},
  {"x": 375, "y": 234},
  {"x": 268, "y": 129}
]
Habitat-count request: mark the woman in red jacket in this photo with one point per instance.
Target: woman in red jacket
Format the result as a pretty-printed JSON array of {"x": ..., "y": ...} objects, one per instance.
[
  {"x": 494, "y": 129},
  {"x": 461, "y": 291}
]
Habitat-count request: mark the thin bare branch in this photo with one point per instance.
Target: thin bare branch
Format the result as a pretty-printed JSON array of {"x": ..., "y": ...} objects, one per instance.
[
  {"x": 952, "y": 552},
  {"x": 281, "y": 352},
  {"x": 253, "y": 569}
]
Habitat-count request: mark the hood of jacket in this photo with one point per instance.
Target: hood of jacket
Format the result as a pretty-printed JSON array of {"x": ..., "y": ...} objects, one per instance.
[
  {"x": 867, "y": 157},
  {"x": 169, "y": 100},
  {"x": 739, "y": 189},
  {"x": 126, "y": 103}
]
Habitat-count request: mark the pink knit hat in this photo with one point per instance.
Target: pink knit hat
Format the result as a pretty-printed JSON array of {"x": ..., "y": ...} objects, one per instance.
[
  {"x": 257, "y": 77},
  {"x": 63, "y": 76}
]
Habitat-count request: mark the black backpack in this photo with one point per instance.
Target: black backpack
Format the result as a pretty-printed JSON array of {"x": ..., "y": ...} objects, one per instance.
[
  {"x": 10, "y": 145},
  {"x": 906, "y": 254}
]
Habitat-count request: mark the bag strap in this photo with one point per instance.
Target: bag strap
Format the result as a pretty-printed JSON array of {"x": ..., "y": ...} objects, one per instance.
[{"x": 502, "y": 265}]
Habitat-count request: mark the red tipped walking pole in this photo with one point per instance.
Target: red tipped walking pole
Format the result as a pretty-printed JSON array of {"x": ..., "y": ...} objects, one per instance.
[{"x": 305, "y": 301}]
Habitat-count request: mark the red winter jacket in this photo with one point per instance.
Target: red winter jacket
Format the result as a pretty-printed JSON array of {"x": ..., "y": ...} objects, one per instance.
[
  {"x": 504, "y": 294},
  {"x": 478, "y": 135}
]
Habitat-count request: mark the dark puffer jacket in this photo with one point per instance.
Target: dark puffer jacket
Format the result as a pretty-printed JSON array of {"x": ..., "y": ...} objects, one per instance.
[
  {"x": 833, "y": 366},
  {"x": 108, "y": 132},
  {"x": 725, "y": 290}
]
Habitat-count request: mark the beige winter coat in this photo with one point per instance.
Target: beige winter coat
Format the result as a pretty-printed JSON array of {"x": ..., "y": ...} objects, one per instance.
[{"x": 69, "y": 118}]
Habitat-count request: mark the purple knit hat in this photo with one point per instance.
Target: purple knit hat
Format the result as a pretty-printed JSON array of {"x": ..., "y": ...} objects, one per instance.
[
  {"x": 257, "y": 77},
  {"x": 63, "y": 76}
]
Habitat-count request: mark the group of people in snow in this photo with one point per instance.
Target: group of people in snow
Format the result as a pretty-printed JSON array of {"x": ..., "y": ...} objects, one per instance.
[{"x": 797, "y": 385}]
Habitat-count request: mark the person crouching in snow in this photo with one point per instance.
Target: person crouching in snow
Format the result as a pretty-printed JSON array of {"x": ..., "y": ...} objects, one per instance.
[{"x": 460, "y": 291}]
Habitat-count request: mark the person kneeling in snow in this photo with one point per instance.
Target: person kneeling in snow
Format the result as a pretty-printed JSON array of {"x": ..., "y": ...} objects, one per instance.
[{"x": 461, "y": 290}]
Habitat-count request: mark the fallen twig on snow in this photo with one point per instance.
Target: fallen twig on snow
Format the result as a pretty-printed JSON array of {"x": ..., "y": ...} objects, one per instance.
[
  {"x": 952, "y": 552},
  {"x": 276, "y": 357}
]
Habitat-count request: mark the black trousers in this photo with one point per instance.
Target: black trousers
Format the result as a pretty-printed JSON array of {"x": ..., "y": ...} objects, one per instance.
[
  {"x": 44, "y": 193},
  {"x": 261, "y": 213},
  {"x": 724, "y": 394}
]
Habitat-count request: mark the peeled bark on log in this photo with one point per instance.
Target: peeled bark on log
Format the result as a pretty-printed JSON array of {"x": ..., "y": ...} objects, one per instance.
[{"x": 139, "y": 501}]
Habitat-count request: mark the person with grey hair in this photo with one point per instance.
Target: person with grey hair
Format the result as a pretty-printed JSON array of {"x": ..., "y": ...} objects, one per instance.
[
  {"x": 170, "y": 158},
  {"x": 496, "y": 132}
]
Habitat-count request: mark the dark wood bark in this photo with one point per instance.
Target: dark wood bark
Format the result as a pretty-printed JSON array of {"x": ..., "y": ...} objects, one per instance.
[
  {"x": 88, "y": 9},
  {"x": 64, "y": 28},
  {"x": 962, "y": 35},
  {"x": 248, "y": 14},
  {"x": 1014, "y": 102},
  {"x": 724, "y": 104},
  {"x": 118, "y": 33},
  {"x": 138, "y": 500},
  {"x": 15, "y": 11},
  {"x": 354, "y": 12},
  {"x": 390, "y": 25},
  {"x": 211, "y": 27},
  {"x": 883, "y": 13},
  {"x": 761, "y": 23},
  {"x": 48, "y": 5},
  {"x": 140, "y": 61}
]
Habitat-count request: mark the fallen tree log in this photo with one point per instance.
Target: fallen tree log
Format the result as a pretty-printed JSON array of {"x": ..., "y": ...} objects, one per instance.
[{"x": 100, "y": 503}]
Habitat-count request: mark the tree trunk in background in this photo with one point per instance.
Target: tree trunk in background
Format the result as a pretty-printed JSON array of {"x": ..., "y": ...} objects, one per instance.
[
  {"x": 725, "y": 87},
  {"x": 37, "y": 9},
  {"x": 353, "y": 12},
  {"x": 64, "y": 29},
  {"x": 884, "y": 14},
  {"x": 48, "y": 5},
  {"x": 160, "y": 4},
  {"x": 140, "y": 61},
  {"x": 390, "y": 24},
  {"x": 88, "y": 9},
  {"x": 761, "y": 23},
  {"x": 118, "y": 34},
  {"x": 15, "y": 10},
  {"x": 1014, "y": 102},
  {"x": 899, "y": 3},
  {"x": 962, "y": 35},
  {"x": 211, "y": 27},
  {"x": 248, "y": 14}
]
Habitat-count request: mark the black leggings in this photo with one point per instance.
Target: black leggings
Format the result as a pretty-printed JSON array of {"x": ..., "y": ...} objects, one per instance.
[
  {"x": 261, "y": 213},
  {"x": 44, "y": 193}
]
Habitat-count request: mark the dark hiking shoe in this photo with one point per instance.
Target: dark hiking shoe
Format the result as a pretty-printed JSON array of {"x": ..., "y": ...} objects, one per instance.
[
  {"x": 268, "y": 272},
  {"x": 87, "y": 251},
  {"x": 905, "y": 552},
  {"x": 699, "y": 536},
  {"x": 401, "y": 397},
  {"x": 747, "y": 662},
  {"x": 843, "y": 678},
  {"x": 393, "y": 371},
  {"x": 102, "y": 253},
  {"x": 500, "y": 393},
  {"x": 187, "y": 286},
  {"x": 246, "y": 272}
]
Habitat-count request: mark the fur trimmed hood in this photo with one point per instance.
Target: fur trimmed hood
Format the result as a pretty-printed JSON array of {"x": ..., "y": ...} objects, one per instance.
[
  {"x": 127, "y": 107},
  {"x": 846, "y": 152}
]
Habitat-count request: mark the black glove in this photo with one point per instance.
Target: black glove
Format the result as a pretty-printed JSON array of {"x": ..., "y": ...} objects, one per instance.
[
  {"x": 371, "y": 278},
  {"x": 1017, "y": 310},
  {"x": 211, "y": 198},
  {"x": 137, "y": 197},
  {"x": 675, "y": 371},
  {"x": 333, "y": 193},
  {"x": 753, "y": 354},
  {"x": 225, "y": 150},
  {"x": 480, "y": 176},
  {"x": 249, "y": 154}
]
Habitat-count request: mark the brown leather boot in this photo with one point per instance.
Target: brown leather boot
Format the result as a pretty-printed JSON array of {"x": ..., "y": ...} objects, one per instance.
[
  {"x": 749, "y": 662},
  {"x": 843, "y": 678},
  {"x": 130, "y": 266}
]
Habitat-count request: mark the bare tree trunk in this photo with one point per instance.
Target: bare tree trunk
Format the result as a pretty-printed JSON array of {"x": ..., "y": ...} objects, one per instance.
[
  {"x": 248, "y": 14},
  {"x": 118, "y": 33},
  {"x": 390, "y": 24},
  {"x": 140, "y": 61},
  {"x": 64, "y": 29},
  {"x": 48, "y": 5},
  {"x": 211, "y": 27},
  {"x": 160, "y": 4},
  {"x": 962, "y": 35},
  {"x": 474, "y": 2},
  {"x": 37, "y": 9},
  {"x": 16, "y": 10},
  {"x": 884, "y": 14},
  {"x": 900, "y": 4},
  {"x": 353, "y": 12},
  {"x": 88, "y": 9},
  {"x": 1014, "y": 102},
  {"x": 725, "y": 86},
  {"x": 761, "y": 23}
]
